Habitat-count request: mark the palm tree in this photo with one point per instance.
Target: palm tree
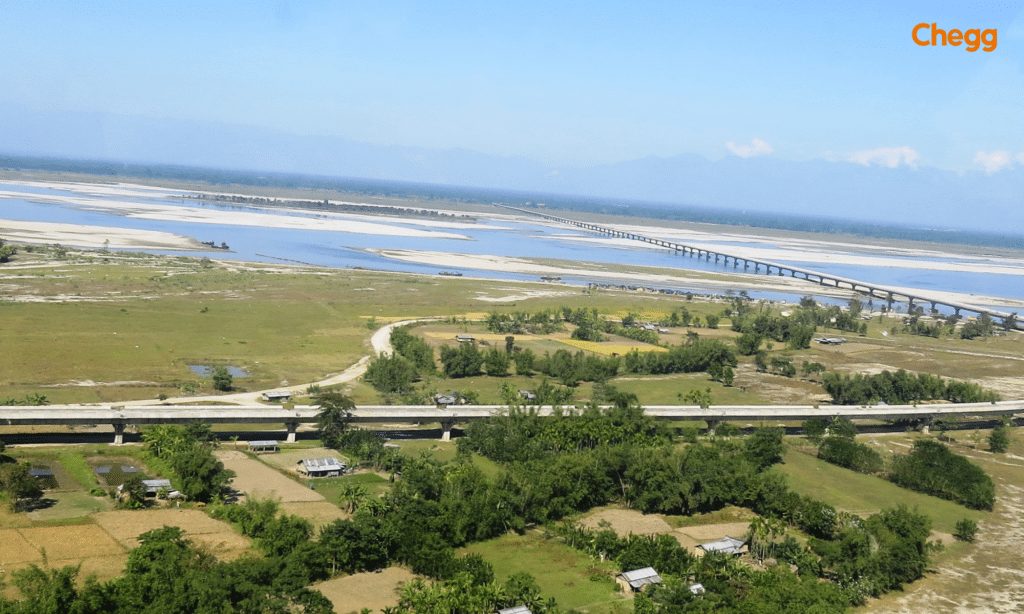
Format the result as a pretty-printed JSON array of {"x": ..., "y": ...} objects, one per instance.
[
  {"x": 334, "y": 416},
  {"x": 352, "y": 495}
]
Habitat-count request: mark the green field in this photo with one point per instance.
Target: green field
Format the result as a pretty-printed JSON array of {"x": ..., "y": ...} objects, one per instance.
[
  {"x": 863, "y": 494},
  {"x": 572, "y": 578}
]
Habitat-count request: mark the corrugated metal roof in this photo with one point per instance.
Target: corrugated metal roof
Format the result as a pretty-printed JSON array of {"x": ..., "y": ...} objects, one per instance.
[
  {"x": 263, "y": 444},
  {"x": 729, "y": 545},
  {"x": 323, "y": 464},
  {"x": 641, "y": 577},
  {"x": 519, "y": 609}
]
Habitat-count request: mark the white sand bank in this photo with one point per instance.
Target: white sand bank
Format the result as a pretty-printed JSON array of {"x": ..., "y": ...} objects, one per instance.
[
  {"x": 93, "y": 237},
  {"x": 199, "y": 215}
]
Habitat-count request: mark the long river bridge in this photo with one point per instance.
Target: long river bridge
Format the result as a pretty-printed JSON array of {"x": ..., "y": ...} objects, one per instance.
[
  {"x": 890, "y": 295},
  {"x": 119, "y": 417}
]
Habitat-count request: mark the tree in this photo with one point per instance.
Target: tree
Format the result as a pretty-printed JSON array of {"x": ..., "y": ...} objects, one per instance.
[
  {"x": 465, "y": 361},
  {"x": 999, "y": 440},
  {"x": 814, "y": 429},
  {"x": 497, "y": 362},
  {"x": 391, "y": 374},
  {"x": 134, "y": 491},
  {"x": 222, "y": 379},
  {"x": 728, "y": 376},
  {"x": 764, "y": 448},
  {"x": 812, "y": 368},
  {"x": 18, "y": 483},
  {"x": 6, "y": 251},
  {"x": 856, "y": 306},
  {"x": 843, "y": 427},
  {"x": 524, "y": 362},
  {"x": 748, "y": 343},
  {"x": 966, "y": 530},
  {"x": 201, "y": 477},
  {"x": 713, "y": 320},
  {"x": 352, "y": 496},
  {"x": 701, "y": 398},
  {"x": 335, "y": 413}
]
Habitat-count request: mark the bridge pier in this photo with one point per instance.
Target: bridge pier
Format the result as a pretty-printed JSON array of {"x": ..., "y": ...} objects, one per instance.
[
  {"x": 292, "y": 427},
  {"x": 712, "y": 425},
  {"x": 446, "y": 429},
  {"x": 118, "y": 433}
]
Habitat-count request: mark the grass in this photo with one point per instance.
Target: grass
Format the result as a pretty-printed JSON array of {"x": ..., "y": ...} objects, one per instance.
[
  {"x": 331, "y": 488},
  {"x": 863, "y": 494},
  {"x": 574, "y": 579},
  {"x": 444, "y": 451},
  {"x": 75, "y": 464}
]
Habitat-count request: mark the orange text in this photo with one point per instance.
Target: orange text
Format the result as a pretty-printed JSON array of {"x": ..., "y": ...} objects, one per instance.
[{"x": 975, "y": 39}]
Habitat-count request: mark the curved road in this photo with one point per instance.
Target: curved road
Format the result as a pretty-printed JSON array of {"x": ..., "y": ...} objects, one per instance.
[{"x": 380, "y": 341}]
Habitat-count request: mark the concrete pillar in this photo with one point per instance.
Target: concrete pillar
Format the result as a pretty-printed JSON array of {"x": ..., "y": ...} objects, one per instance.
[
  {"x": 292, "y": 427},
  {"x": 118, "y": 433},
  {"x": 712, "y": 425},
  {"x": 446, "y": 430},
  {"x": 926, "y": 424}
]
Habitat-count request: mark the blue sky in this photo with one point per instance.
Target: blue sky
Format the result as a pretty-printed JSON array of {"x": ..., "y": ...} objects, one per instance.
[{"x": 572, "y": 84}]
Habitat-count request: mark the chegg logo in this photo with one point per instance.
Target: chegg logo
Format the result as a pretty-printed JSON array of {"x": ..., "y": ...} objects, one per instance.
[{"x": 974, "y": 38}]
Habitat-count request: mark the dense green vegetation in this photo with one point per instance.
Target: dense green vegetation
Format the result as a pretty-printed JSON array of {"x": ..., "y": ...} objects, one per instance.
[
  {"x": 168, "y": 574},
  {"x": 901, "y": 388},
  {"x": 933, "y": 468},
  {"x": 850, "y": 454},
  {"x": 185, "y": 455}
]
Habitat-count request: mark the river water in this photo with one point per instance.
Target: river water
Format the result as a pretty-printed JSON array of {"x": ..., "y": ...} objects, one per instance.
[{"x": 342, "y": 249}]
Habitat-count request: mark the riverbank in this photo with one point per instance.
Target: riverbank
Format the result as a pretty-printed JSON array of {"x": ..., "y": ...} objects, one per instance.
[{"x": 500, "y": 230}]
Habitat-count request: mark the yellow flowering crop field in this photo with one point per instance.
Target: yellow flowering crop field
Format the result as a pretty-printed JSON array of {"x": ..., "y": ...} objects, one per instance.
[{"x": 611, "y": 348}]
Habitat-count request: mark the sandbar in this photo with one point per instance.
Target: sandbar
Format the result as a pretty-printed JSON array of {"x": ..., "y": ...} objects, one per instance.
[{"x": 94, "y": 237}]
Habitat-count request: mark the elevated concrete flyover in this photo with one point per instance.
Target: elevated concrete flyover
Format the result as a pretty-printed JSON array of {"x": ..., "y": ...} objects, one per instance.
[
  {"x": 121, "y": 417},
  {"x": 890, "y": 295}
]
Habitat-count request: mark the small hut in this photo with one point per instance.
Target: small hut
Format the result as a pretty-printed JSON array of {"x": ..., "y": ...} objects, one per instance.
[{"x": 637, "y": 580}]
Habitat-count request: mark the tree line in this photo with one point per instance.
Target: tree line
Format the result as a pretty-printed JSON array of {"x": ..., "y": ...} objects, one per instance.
[
  {"x": 930, "y": 467},
  {"x": 901, "y": 388}
]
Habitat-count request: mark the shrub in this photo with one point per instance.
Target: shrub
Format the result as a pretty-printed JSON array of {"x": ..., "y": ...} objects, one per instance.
[
  {"x": 966, "y": 530},
  {"x": 999, "y": 440},
  {"x": 933, "y": 469},
  {"x": 850, "y": 454}
]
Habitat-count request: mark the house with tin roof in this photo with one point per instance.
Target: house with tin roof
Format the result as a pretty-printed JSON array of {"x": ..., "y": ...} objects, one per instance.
[{"x": 637, "y": 580}]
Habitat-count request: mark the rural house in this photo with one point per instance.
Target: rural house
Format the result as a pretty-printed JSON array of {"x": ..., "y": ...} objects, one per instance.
[
  {"x": 328, "y": 467},
  {"x": 636, "y": 580}
]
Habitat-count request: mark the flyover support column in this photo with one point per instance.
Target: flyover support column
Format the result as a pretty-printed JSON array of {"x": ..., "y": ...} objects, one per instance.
[
  {"x": 292, "y": 427},
  {"x": 712, "y": 425},
  {"x": 446, "y": 429},
  {"x": 118, "y": 433},
  {"x": 926, "y": 424}
]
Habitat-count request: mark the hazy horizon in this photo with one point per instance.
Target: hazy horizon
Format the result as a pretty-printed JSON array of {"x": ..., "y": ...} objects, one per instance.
[{"x": 796, "y": 108}]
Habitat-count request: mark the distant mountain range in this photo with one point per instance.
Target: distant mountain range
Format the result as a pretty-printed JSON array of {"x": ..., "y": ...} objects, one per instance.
[{"x": 923, "y": 196}]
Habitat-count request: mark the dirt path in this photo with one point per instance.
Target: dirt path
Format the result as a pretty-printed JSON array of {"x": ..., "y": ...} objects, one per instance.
[{"x": 380, "y": 341}]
